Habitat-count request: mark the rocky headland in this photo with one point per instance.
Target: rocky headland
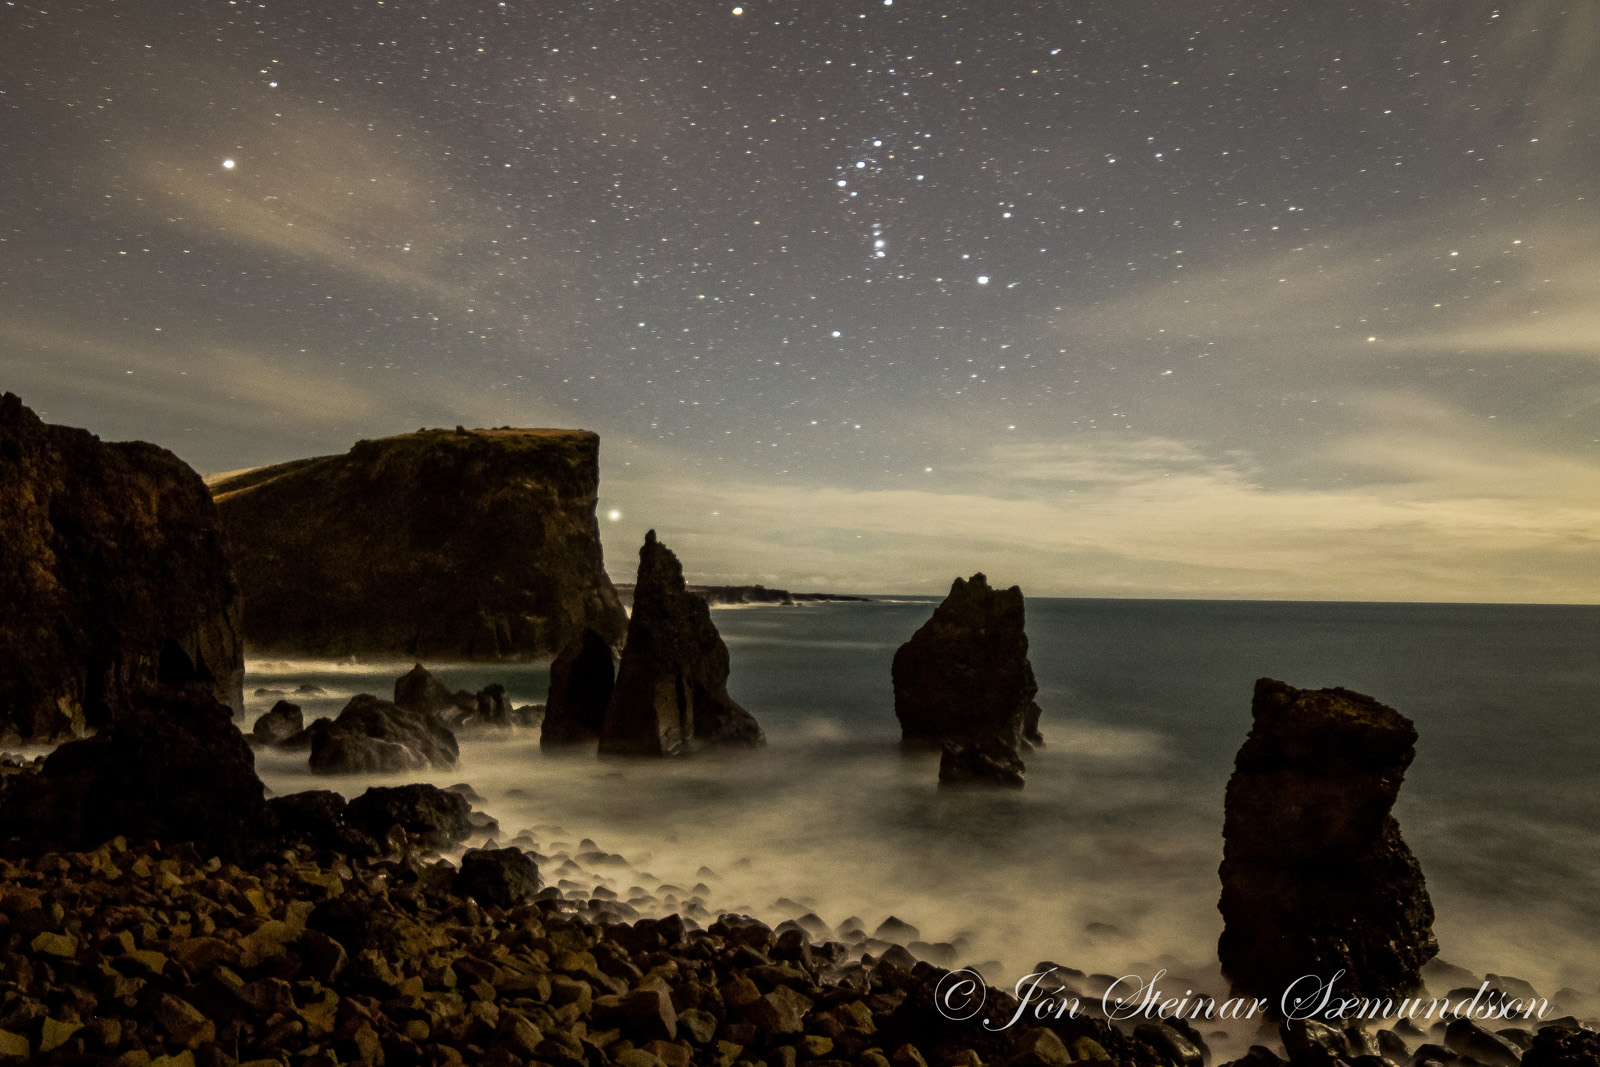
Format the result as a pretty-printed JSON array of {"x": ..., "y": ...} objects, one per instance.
[
  {"x": 113, "y": 577},
  {"x": 439, "y": 544}
]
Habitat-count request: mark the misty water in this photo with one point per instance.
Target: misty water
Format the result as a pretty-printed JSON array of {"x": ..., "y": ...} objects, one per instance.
[{"x": 1107, "y": 860}]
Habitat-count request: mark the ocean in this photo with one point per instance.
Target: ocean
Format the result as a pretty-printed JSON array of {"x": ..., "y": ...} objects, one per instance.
[{"x": 1107, "y": 860}]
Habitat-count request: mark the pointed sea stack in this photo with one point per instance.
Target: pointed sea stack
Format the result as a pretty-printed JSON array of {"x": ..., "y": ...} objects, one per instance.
[
  {"x": 963, "y": 683},
  {"x": 464, "y": 544},
  {"x": 671, "y": 693},
  {"x": 113, "y": 580},
  {"x": 581, "y": 681},
  {"x": 1316, "y": 879}
]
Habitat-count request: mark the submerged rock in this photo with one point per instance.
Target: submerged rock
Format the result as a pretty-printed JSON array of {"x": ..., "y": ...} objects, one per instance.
[
  {"x": 172, "y": 768},
  {"x": 984, "y": 762},
  {"x": 581, "y": 681},
  {"x": 114, "y": 580},
  {"x": 1315, "y": 876},
  {"x": 375, "y": 736},
  {"x": 475, "y": 544},
  {"x": 671, "y": 694},
  {"x": 963, "y": 683}
]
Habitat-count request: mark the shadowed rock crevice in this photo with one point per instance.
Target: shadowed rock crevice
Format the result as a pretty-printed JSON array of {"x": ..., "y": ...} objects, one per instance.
[{"x": 1315, "y": 876}]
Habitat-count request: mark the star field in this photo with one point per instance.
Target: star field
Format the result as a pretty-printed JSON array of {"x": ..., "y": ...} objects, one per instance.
[{"x": 1146, "y": 294}]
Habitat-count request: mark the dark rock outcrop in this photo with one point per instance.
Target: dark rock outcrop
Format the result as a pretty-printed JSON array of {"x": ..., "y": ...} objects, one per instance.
[
  {"x": 434, "y": 817},
  {"x": 375, "y": 736},
  {"x": 963, "y": 683},
  {"x": 1315, "y": 876},
  {"x": 581, "y": 681},
  {"x": 278, "y": 725},
  {"x": 317, "y": 818},
  {"x": 504, "y": 877},
  {"x": 172, "y": 767},
  {"x": 113, "y": 579},
  {"x": 418, "y": 690},
  {"x": 1560, "y": 1047},
  {"x": 478, "y": 544},
  {"x": 671, "y": 694}
]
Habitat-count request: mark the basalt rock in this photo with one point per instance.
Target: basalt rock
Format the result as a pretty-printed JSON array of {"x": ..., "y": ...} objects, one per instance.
[
  {"x": 436, "y": 817},
  {"x": 278, "y": 725},
  {"x": 963, "y": 683},
  {"x": 418, "y": 690},
  {"x": 471, "y": 544},
  {"x": 1316, "y": 879},
  {"x": 375, "y": 736},
  {"x": 172, "y": 767},
  {"x": 114, "y": 580},
  {"x": 671, "y": 694},
  {"x": 504, "y": 877},
  {"x": 317, "y": 817},
  {"x": 581, "y": 681}
]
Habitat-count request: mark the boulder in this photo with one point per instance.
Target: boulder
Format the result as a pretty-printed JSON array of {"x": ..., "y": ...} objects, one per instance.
[
  {"x": 1560, "y": 1047},
  {"x": 278, "y": 725},
  {"x": 172, "y": 767},
  {"x": 317, "y": 817},
  {"x": 581, "y": 680},
  {"x": 671, "y": 694},
  {"x": 504, "y": 877},
  {"x": 114, "y": 579},
  {"x": 419, "y": 690},
  {"x": 436, "y": 818},
  {"x": 448, "y": 545},
  {"x": 963, "y": 683},
  {"x": 1315, "y": 876},
  {"x": 375, "y": 736}
]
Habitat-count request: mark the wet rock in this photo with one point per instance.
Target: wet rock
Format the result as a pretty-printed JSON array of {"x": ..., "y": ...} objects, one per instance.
[
  {"x": 964, "y": 681},
  {"x": 504, "y": 877},
  {"x": 435, "y": 817},
  {"x": 317, "y": 817},
  {"x": 671, "y": 694},
  {"x": 1466, "y": 1038},
  {"x": 172, "y": 768},
  {"x": 581, "y": 681},
  {"x": 114, "y": 578},
  {"x": 985, "y": 762},
  {"x": 278, "y": 725},
  {"x": 374, "y": 736},
  {"x": 1561, "y": 1047},
  {"x": 437, "y": 545},
  {"x": 419, "y": 690},
  {"x": 1315, "y": 876},
  {"x": 1170, "y": 1045}
]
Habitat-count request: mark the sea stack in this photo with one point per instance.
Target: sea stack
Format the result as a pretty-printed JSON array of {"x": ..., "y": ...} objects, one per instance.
[
  {"x": 113, "y": 579},
  {"x": 1316, "y": 879},
  {"x": 963, "y": 684},
  {"x": 441, "y": 544},
  {"x": 671, "y": 693}
]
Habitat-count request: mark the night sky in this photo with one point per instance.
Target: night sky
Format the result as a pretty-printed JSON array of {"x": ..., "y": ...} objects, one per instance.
[{"x": 1132, "y": 298}]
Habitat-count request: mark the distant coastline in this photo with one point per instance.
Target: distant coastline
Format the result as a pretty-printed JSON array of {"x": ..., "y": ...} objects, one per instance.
[{"x": 747, "y": 594}]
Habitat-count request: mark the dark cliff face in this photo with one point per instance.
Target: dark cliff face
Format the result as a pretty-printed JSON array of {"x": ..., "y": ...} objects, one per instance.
[
  {"x": 438, "y": 544},
  {"x": 112, "y": 576}
]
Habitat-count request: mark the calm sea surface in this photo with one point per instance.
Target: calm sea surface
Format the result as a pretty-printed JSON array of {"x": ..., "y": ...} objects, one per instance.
[{"x": 1107, "y": 860}]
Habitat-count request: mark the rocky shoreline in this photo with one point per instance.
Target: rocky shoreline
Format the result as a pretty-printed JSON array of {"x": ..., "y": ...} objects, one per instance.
[{"x": 137, "y": 954}]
